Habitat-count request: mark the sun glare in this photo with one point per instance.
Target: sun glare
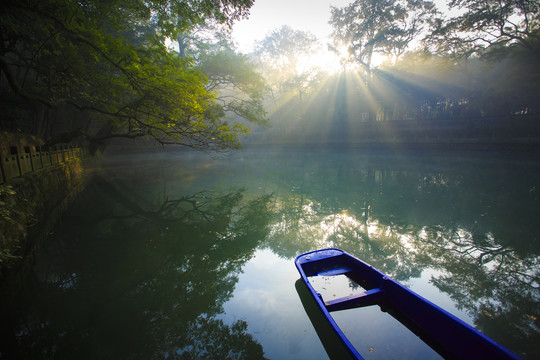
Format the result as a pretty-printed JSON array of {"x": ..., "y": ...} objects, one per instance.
[
  {"x": 323, "y": 60},
  {"x": 330, "y": 62},
  {"x": 379, "y": 59}
]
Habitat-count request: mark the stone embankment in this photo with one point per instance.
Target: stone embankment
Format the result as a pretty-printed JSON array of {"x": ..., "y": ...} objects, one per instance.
[{"x": 37, "y": 183}]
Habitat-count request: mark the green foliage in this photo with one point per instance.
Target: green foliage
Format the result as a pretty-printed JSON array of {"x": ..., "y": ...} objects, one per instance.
[
  {"x": 5, "y": 207},
  {"x": 240, "y": 344},
  {"x": 92, "y": 56},
  {"x": 238, "y": 88},
  {"x": 161, "y": 304},
  {"x": 7, "y": 223}
]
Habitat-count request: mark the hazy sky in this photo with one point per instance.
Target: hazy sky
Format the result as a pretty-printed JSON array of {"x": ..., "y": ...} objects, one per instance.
[
  {"x": 267, "y": 15},
  {"x": 306, "y": 15}
]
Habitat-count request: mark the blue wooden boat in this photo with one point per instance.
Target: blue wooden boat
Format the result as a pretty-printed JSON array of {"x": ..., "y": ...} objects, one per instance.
[{"x": 445, "y": 333}]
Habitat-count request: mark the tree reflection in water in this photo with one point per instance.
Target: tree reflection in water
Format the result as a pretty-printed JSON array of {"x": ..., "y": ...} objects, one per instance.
[
  {"x": 133, "y": 274},
  {"x": 451, "y": 225},
  {"x": 152, "y": 292}
]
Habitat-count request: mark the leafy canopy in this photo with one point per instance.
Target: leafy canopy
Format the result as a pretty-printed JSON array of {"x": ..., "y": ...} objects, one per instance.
[{"x": 108, "y": 59}]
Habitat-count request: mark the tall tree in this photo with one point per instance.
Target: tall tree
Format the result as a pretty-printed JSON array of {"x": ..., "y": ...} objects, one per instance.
[
  {"x": 285, "y": 53},
  {"x": 92, "y": 57},
  {"x": 387, "y": 27}
]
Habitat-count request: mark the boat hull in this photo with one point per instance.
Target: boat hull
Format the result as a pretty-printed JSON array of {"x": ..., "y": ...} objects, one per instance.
[{"x": 442, "y": 331}]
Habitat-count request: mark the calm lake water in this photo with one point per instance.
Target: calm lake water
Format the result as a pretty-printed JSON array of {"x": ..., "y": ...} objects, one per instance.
[{"x": 189, "y": 255}]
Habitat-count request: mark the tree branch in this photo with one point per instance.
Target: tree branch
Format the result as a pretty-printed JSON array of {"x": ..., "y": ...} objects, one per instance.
[{"x": 17, "y": 89}]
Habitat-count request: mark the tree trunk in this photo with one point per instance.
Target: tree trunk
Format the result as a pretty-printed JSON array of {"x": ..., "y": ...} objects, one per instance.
[{"x": 182, "y": 45}]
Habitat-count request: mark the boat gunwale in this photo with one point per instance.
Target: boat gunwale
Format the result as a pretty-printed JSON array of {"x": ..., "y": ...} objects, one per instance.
[{"x": 455, "y": 339}]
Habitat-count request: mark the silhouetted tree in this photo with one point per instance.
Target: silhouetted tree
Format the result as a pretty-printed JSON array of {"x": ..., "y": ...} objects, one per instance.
[
  {"x": 366, "y": 27},
  {"x": 488, "y": 23},
  {"x": 285, "y": 54}
]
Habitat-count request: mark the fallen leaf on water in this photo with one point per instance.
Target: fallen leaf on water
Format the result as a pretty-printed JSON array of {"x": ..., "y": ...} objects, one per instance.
[{"x": 487, "y": 313}]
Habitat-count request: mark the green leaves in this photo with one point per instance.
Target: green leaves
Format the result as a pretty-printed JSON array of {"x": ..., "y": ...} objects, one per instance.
[
  {"x": 238, "y": 87},
  {"x": 108, "y": 60}
]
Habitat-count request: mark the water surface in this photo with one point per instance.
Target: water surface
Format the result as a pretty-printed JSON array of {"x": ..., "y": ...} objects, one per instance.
[{"x": 190, "y": 255}]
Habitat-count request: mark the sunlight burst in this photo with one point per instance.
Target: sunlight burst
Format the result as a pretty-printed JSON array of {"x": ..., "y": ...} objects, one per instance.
[{"x": 323, "y": 60}]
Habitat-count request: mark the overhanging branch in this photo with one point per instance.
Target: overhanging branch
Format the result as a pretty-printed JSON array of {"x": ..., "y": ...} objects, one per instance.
[{"x": 18, "y": 89}]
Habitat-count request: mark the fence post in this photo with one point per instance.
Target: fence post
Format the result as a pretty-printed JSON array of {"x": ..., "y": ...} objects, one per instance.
[
  {"x": 54, "y": 155},
  {"x": 45, "y": 156},
  {"x": 10, "y": 164},
  {"x": 36, "y": 158},
  {"x": 25, "y": 162}
]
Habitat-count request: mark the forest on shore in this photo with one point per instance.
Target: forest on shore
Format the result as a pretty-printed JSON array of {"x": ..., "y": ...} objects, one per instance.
[{"x": 168, "y": 72}]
